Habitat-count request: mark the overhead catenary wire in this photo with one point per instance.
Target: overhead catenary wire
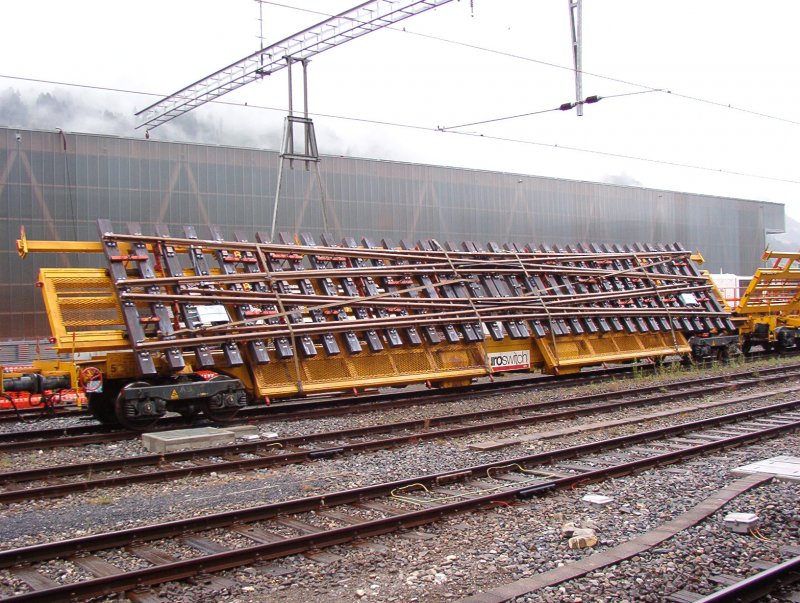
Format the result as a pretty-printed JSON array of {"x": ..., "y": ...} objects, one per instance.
[
  {"x": 429, "y": 129},
  {"x": 624, "y": 156},
  {"x": 570, "y": 68},
  {"x": 512, "y": 55},
  {"x": 562, "y": 107}
]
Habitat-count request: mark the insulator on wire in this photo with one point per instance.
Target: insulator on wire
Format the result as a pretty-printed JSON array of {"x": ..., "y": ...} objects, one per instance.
[
  {"x": 567, "y": 106},
  {"x": 592, "y": 99}
]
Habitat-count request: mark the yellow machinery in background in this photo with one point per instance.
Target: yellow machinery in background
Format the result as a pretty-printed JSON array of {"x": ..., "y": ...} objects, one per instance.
[{"x": 770, "y": 306}]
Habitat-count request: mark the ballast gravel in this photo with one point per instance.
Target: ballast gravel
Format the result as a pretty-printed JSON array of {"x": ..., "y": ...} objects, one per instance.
[{"x": 459, "y": 555}]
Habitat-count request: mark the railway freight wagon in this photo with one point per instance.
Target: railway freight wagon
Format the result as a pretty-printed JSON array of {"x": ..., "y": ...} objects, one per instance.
[
  {"x": 766, "y": 309},
  {"x": 190, "y": 324}
]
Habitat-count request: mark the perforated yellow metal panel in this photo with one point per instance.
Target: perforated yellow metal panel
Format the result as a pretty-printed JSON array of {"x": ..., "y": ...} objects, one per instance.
[
  {"x": 572, "y": 353},
  {"x": 390, "y": 367},
  {"x": 83, "y": 310}
]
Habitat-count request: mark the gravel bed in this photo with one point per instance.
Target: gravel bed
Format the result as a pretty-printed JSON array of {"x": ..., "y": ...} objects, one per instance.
[
  {"x": 37, "y": 423},
  {"x": 625, "y": 386},
  {"x": 134, "y": 447},
  {"x": 445, "y": 561},
  {"x": 468, "y": 553},
  {"x": 214, "y": 492},
  {"x": 11, "y": 585},
  {"x": 123, "y": 559}
]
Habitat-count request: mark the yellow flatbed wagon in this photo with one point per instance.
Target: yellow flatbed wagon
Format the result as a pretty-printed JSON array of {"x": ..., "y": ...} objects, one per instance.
[{"x": 189, "y": 324}]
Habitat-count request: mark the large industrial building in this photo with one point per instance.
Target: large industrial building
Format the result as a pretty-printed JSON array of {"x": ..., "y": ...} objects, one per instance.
[{"x": 57, "y": 184}]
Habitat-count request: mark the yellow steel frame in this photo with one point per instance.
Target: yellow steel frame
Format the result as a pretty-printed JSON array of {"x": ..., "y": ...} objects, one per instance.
[
  {"x": 82, "y": 309},
  {"x": 773, "y": 295},
  {"x": 439, "y": 365},
  {"x": 24, "y": 247},
  {"x": 454, "y": 364},
  {"x": 571, "y": 354},
  {"x": 85, "y": 317}
]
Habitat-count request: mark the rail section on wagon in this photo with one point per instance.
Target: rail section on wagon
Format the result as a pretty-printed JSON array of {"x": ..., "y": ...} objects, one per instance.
[{"x": 201, "y": 324}]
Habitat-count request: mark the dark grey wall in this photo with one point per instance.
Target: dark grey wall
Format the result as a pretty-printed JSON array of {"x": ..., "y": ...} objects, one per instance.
[{"x": 57, "y": 185}]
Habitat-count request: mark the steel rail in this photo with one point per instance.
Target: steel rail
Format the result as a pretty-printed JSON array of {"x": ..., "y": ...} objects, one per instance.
[
  {"x": 483, "y": 304},
  {"x": 126, "y": 537},
  {"x": 12, "y": 442},
  {"x": 550, "y": 259},
  {"x": 757, "y": 586},
  {"x": 233, "y": 296},
  {"x": 234, "y": 558},
  {"x": 246, "y": 333},
  {"x": 433, "y": 268},
  {"x": 17, "y": 441},
  {"x": 406, "y": 270},
  {"x": 394, "y": 253},
  {"x": 315, "y": 407},
  {"x": 398, "y": 400},
  {"x": 461, "y": 313},
  {"x": 283, "y": 457},
  {"x": 33, "y": 415}
]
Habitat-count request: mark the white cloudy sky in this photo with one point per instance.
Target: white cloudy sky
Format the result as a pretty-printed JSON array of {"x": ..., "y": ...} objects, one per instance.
[{"x": 494, "y": 63}]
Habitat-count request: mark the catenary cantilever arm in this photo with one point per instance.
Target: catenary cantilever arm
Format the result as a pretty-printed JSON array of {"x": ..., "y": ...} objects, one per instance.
[{"x": 353, "y": 23}]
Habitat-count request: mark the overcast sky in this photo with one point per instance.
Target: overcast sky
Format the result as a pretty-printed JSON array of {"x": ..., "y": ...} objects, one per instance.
[{"x": 493, "y": 59}]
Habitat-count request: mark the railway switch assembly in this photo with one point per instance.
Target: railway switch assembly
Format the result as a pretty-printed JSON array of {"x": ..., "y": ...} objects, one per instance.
[{"x": 189, "y": 324}]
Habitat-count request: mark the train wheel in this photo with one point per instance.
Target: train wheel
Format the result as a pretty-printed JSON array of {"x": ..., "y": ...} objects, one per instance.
[
  {"x": 138, "y": 414},
  {"x": 189, "y": 411},
  {"x": 101, "y": 403},
  {"x": 102, "y": 409},
  {"x": 734, "y": 353},
  {"x": 223, "y": 406}
]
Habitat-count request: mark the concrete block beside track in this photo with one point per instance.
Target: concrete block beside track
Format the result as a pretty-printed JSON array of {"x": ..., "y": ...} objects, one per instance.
[
  {"x": 244, "y": 431},
  {"x": 186, "y": 439}
]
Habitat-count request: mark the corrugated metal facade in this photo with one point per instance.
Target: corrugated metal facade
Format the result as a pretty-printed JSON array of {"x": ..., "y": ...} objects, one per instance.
[{"x": 57, "y": 185}]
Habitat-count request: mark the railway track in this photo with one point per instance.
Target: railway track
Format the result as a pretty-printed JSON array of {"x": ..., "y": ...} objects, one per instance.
[
  {"x": 51, "y": 482},
  {"x": 220, "y": 541},
  {"x": 322, "y": 403},
  {"x": 757, "y": 586},
  {"x": 18, "y": 441}
]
